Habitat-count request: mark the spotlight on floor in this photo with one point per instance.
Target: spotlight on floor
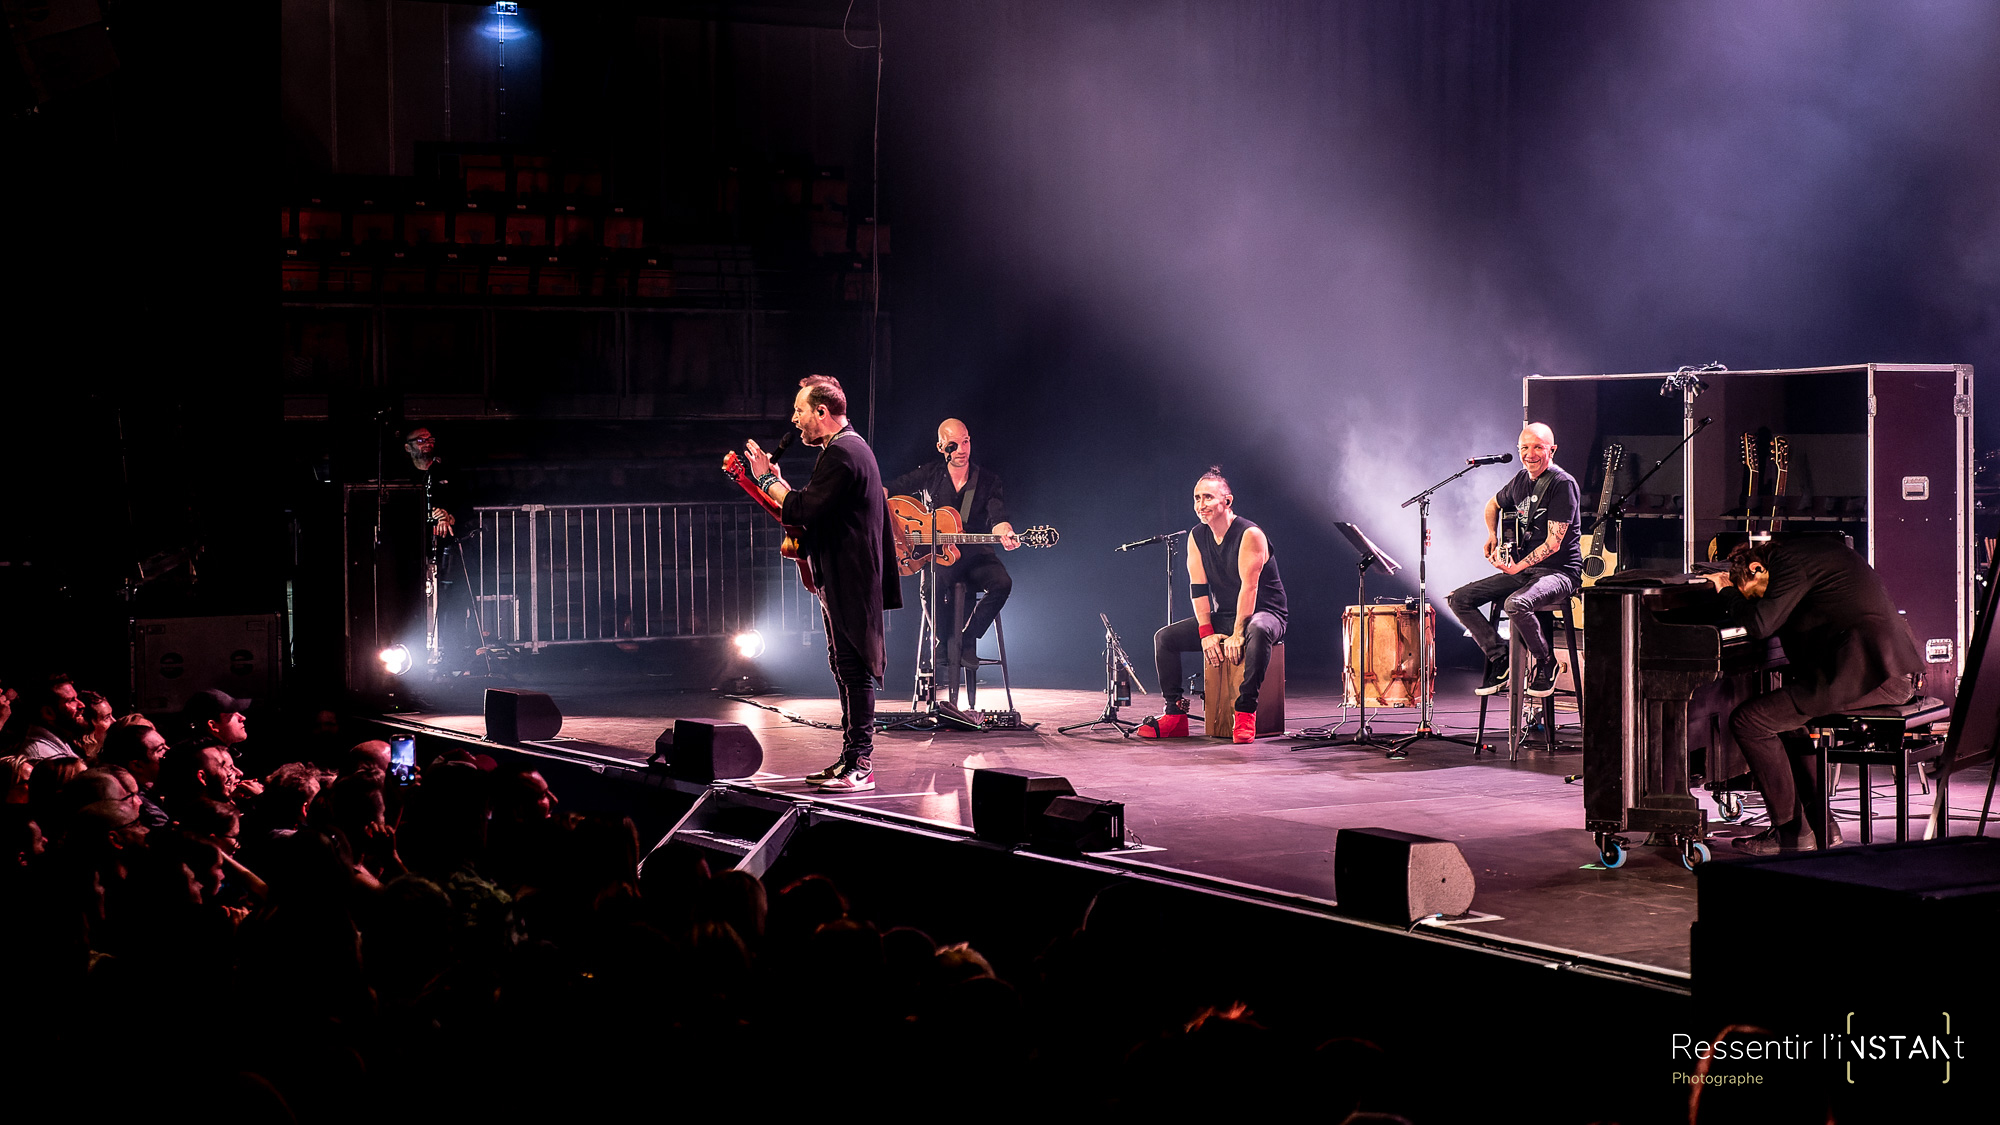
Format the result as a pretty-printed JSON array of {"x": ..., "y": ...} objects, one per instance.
[
  {"x": 395, "y": 659},
  {"x": 739, "y": 674}
]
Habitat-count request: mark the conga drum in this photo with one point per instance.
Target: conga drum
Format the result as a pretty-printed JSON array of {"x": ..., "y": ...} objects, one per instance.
[{"x": 1394, "y": 648}]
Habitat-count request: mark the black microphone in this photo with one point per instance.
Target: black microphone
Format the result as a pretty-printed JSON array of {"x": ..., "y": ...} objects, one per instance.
[
  {"x": 784, "y": 443},
  {"x": 1492, "y": 459},
  {"x": 1145, "y": 542}
]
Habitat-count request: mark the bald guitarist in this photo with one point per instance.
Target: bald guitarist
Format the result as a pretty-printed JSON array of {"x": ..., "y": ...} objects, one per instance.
[{"x": 976, "y": 493}]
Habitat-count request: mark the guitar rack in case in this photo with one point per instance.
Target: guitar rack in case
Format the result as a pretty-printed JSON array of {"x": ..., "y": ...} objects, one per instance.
[{"x": 1881, "y": 452}]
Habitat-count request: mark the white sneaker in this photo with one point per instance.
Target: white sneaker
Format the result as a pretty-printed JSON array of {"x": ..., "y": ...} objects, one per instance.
[{"x": 850, "y": 779}]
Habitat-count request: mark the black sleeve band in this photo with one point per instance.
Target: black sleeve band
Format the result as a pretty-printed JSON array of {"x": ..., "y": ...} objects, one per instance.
[{"x": 1200, "y": 589}]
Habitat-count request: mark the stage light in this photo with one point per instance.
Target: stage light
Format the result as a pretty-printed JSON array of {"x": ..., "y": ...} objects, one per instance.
[
  {"x": 396, "y": 659},
  {"x": 507, "y": 8},
  {"x": 750, "y": 645}
]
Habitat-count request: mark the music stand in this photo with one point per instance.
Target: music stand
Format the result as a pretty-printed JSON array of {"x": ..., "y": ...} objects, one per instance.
[{"x": 1372, "y": 557}]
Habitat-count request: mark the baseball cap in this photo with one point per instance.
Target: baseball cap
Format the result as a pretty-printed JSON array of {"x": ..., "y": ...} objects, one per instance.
[{"x": 212, "y": 704}]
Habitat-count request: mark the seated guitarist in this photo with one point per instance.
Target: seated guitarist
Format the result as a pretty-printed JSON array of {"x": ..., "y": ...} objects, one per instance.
[
  {"x": 956, "y": 482},
  {"x": 1546, "y": 571}
]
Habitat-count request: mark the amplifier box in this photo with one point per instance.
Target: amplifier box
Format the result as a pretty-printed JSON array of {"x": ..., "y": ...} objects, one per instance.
[{"x": 175, "y": 657}]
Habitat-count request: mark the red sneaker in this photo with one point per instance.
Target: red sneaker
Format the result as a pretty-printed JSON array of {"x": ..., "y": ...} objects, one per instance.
[
  {"x": 1168, "y": 725},
  {"x": 1246, "y": 727}
]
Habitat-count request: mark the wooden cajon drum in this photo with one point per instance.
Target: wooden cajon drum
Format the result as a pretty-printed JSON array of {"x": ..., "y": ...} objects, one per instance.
[{"x": 1219, "y": 696}]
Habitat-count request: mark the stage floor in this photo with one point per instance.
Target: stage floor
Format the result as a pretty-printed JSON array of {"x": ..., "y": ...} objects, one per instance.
[{"x": 1262, "y": 814}]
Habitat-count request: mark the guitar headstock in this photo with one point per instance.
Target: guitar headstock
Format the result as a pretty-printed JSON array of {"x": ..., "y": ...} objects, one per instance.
[
  {"x": 733, "y": 467},
  {"x": 1750, "y": 457},
  {"x": 1614, "y": 456},
  {"x": 1039, "y": 537},
  {"x": 1780, "y": 449}
]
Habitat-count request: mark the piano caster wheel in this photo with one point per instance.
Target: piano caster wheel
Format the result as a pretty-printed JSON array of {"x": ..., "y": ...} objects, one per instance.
[
  {"x": 1730, "y": 805},
  {"x": 1611, "y": 853},
  {"x": 1695, "y": 854}
]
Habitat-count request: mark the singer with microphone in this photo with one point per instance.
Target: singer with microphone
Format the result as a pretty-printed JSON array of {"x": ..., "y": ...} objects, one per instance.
[
  {"x": 1540, "y": 566},
  {"x": 841, "y": 512},
  {"x": 976, "y": 493},
  {"x": 451, "y": 629}
]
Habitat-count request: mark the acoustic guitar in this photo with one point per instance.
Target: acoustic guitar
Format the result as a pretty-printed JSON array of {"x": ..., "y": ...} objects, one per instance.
[
  {"x": 1780, "y": 457},
  {"x": 734, "y": 469},
  {"x": 917, "y": 540},
  {"x": 1598, "y": 562}
]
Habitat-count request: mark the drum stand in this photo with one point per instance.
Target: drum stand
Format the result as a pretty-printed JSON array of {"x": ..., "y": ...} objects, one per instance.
[
  {"x": 925, "y": 711},
  {"x": 1426, "y": 640},
  {"x": 1119, "y": 679}
]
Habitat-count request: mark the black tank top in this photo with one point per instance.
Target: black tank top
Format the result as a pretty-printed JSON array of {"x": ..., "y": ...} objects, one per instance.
[{"x": 1225, "y": 574}]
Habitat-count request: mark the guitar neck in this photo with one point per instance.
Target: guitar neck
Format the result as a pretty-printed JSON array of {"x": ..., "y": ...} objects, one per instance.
[{"x": 949, "y": 538}]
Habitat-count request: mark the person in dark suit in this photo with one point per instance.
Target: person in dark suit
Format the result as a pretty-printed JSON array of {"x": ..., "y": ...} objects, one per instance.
[
  {"x": 977, "y": 494},
  {"x": 843, "y": 512},
  {"x": 1846, "y": 647}
]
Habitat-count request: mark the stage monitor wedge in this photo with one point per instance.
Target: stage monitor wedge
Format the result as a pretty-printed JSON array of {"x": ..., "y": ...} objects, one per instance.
[
  {"x": 1398, "y": 877},
  {"x": 1007, "y": 803},
  {"x": 1074, "y": 825},
  {"x": 514, "y": 717},
  {"x": 704, "y": 750}
]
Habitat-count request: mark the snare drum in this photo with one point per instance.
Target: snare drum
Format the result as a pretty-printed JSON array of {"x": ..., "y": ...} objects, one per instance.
[{"x": 1393, "y": 652}]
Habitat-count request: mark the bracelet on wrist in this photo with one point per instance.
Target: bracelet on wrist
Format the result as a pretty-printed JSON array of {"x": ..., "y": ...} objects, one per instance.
[
  {"x": 766, "y": 481},
  {"x": 1207, "y": 631}
]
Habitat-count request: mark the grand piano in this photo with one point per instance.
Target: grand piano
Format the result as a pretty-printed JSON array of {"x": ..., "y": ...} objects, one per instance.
[{"x": 1659, "y": 649}]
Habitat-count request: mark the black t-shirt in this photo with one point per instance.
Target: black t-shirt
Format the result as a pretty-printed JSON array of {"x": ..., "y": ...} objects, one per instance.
[{"x": 1560, "y": 502}]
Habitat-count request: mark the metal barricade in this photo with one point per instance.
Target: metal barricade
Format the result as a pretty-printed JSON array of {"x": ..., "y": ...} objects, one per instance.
[{"x": 547, "y": 574}]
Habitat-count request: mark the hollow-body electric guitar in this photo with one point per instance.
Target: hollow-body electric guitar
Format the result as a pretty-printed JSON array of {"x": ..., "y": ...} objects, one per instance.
[
  {"x": 918, "y": 540},
  {"x": 734, "y": 469}
]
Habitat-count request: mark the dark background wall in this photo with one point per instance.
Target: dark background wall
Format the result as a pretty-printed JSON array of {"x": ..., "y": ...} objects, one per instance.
[{"x": 1318, "y": 243}]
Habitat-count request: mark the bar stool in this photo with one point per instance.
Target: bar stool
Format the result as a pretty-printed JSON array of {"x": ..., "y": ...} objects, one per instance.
[
  {"x": 1878, "y": 736},
  {"x": 971, "y": 663},
  {"x": 1517, "y": 678}
]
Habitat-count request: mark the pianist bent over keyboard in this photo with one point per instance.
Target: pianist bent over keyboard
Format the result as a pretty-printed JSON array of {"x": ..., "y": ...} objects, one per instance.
[{"x": 1847, "y": 648}]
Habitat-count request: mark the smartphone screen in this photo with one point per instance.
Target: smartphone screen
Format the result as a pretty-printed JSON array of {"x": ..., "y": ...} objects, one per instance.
[{"x": 403, "y": 760}]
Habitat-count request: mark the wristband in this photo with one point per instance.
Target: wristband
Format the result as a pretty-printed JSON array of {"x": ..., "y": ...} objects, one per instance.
[
  {"x": 1198, "y": 589},
  {"x": 766, "y": 481},
  {"x": 1207, "y": 631}
]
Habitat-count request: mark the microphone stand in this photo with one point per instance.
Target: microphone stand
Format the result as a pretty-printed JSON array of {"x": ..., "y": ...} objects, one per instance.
[
  {"x": 1616, "y": 509},
  {"x": 925, "y": 713},
  {"x": 1173, "y": 541},
  {"x": 1426, "y": 638}
]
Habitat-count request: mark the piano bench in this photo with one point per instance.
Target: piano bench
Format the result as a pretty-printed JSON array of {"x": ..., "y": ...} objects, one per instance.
[{"x": 1878, "y": 736}]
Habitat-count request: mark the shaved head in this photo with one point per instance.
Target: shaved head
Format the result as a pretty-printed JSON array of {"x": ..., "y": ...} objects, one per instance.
[
  {"x": 1542, "y": 431},
  {"x": 951, "y": 431}
]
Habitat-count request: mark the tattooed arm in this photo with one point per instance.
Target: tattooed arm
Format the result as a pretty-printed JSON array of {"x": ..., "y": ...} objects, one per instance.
[{"x": 1548, "y": 548}]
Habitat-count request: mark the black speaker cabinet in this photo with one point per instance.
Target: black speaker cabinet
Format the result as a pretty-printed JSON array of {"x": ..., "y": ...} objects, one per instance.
[
  {"x": 1007, "y": 803},
  {"x": 521, "y": 716},
  {"x": 1398, "y": 877},
  {"x": 1071, "y": 825},
  {"x": 701, "y": 750}
]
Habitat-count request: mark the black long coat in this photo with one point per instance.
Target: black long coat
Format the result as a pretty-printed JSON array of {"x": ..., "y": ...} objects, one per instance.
[
  {"x": 1842, "y": 635},
  {"x": 843, "y": 512}
]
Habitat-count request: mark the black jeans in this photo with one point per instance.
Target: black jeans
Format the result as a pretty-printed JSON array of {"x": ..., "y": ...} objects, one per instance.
[
  {"x": 1521, "y": 595},
  {"x": 856, "y": 684},
  {"x": 1770, "y": 731},
  {"x": 1263, "y": 631}
]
